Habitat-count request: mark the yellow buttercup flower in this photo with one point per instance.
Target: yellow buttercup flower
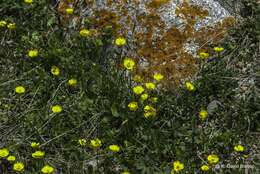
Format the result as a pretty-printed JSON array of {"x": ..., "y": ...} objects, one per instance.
[
  {"x": 178, "y": 166},
  {"x": 144, "y": 97},
  {"x": 218, "y": 49},
  {"x": 213, "y": 159},
  {"x": 35, "y": 145},
  {"x": 203, "y": 114},
  {"x": 95, "y": 143},
  {"x": 204, "y": 167},
  {"x": 85, "y": 32},
  {"x": 55, "y": 70},
  {"x": 18, "y": 167},
  {"x": 47, "y": 169},
  {"x": 114, "y": 148},
  {"x": 69, "y": 10},
  {"x": 150, "y": 85},
  {"x": 158, "y": 76},
  {"x": 149, "y": 114},
  {"x": 133, "y": 106},
  {"x": 204, "y": 55},
  {"x": 137, "y": 78},
  {"x": 72, "y": 82},
  {"x": 4, "y": 153},
  {"x": 33, "y": 53},
  {"x": 82, "y": 142},
  {"x": 11, "y": 158},
  {"x": 125, "y": 172},
  {"x": 56, "y": 108},
  {"x": 3, "y": 23},
  {"x": 129, "y": 63},
  {"x": 149, "y": 111},
  {"x": 11, "y": 26},
  {"x": 20, "y": 90},
  {"x": 189, "y": 86},
  {"x": 38, "y": 154},
  {"x": 28, "y": 1},
  {"x": 138, "y": 90},
  {"x": 239, "y": 148},
  {"x": 120, "y": 41}
]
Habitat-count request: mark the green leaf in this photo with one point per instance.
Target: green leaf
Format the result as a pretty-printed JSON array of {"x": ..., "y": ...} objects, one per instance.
[{"x": 114, "y": 110}]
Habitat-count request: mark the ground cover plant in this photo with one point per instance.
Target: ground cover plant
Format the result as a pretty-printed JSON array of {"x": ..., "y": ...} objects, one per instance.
[{"x": 86, "y": 93}]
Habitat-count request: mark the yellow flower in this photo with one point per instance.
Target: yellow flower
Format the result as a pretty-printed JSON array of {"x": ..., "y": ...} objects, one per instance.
[
  {"x": 35, "y": 145},
  {"x": 28, "y": 1},
  {"x": 69, "y": 10},
  {"x": 125, "y": 172},
  {"x": 239, "y": 148},
  {"x": 204, "y": 55},
  {"x": 82, "y": 142},
  {"x": 114, "y": 148},
  {"x": 72, "y": 82},
  {"x": 38, "y": 154},
  {"x": 189, "y": 86},
  {"x": 144, "y": 97},
  {"x": 218, "y": 49},
  {"x": 3, "y": 23},
  {"x": 137, "y": 78},
  {"x": 56, "y": 109},
  {"x": 129, "y": 63},
  {"x": 203, "y": 114},
  {"x": 4, "y": 153},
  {"x": 95, "y": 143},
  {"x": 47, "y": 169},
  {"x": 133, "y": 106},
  {"x": 11, "y": 26},
  {"x": 178, "y": 166},
  {"x": 150, "y": 85},
  {"x": 158, "y": 76},
  {"x": 149, "y": 111},
  {"x": 20, "y": 90},
  {"x": 55, "y": 70},
  {"x": 85, "y": 32},
  {"x": 213, "y": 159},
  {"x": 138, "y": 90},
  {"x": 204, "y": 167},
  {"x": 18, "y": 167},
  {"x": 11, "y": 158},
  {"x": 120, "y": 41},
  {"x": 33, "y": 53}
]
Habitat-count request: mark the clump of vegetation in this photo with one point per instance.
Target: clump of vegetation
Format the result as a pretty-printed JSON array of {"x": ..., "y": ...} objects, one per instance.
[{"x": 77, "y": 97}]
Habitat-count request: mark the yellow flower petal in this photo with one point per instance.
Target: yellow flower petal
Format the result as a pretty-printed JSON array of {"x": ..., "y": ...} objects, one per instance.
[
  {"x": 84, "y": 33},
  {"x": 120, "y": 41},
  {"x": 4, "y": 153},
  {"x": 56, "y": 108},
  {"x": 129, "y": 63},
  {"x": 47, "y": 169},
  {"x": 204, "y": 167},
  {"x": 239, "y": 148},
  {"x": 138, "y": 90},
  {"x": 133, "y": 106},
  {"x": 213, "y": 159},
  {"x": 114, "y": 148},
  {"x": 69, "y": 10},
  {"x": 18, "y": 167},
  {"x": 158, "y": 76},
  {"x": 20, "y": 90},
  {"x": 95, "y": 143}
]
